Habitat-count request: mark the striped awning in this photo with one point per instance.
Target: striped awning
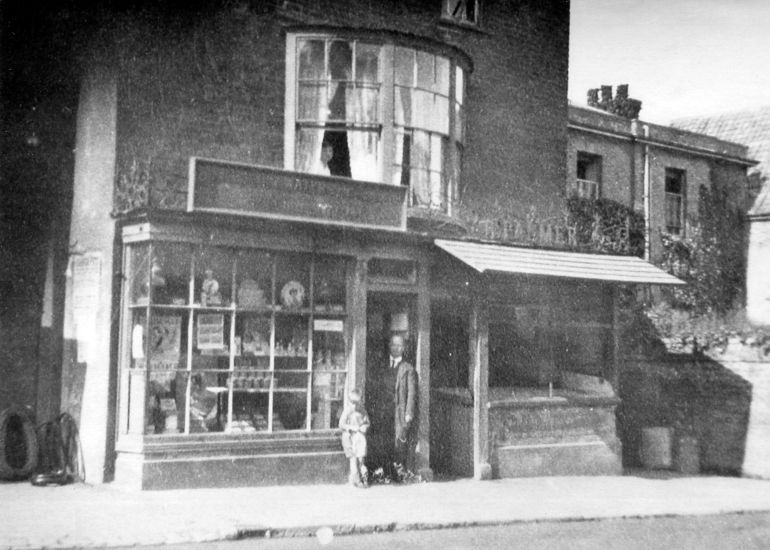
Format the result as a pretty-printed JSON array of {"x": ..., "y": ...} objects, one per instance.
[{"x": 486, "y": 258}]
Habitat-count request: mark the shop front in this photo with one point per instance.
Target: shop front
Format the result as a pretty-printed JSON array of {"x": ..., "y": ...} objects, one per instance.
[
  {"x": 246, "y": 320},
  {"x": 244, "y": 326},
  {"x": 536, "y": 390}
]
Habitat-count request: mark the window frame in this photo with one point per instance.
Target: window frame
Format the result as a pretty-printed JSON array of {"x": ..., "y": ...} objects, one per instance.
[
  {"x": 586, "y": 187},
  {"x": 450, "y": 15},
  {"x": 451, "y": 163},
  {"x": 680, "y": 175}
]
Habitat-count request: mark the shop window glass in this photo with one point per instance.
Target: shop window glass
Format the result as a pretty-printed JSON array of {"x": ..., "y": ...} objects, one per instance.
[{"x": 261, "y": 348}]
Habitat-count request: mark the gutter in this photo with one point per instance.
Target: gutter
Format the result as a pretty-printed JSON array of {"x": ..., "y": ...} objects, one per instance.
[{"x": 663, "y": 145}]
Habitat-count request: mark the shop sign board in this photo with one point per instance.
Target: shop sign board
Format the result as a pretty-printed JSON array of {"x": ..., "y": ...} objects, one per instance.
[{"x": 235, "y": 188}]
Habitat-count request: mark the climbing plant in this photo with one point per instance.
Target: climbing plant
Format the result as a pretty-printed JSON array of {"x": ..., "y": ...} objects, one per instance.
[{"x": 709, "y": 258}]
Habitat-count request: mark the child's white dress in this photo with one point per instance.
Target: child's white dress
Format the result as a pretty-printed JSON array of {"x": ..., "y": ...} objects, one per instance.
[{"x": 354, "y": 442}]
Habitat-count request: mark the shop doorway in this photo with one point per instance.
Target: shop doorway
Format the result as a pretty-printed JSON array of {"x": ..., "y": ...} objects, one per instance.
[{"x": 387, "y": 313}]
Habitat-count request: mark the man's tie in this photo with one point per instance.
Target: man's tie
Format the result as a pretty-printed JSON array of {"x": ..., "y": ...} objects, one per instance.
[{"x": 392, "y": 363}]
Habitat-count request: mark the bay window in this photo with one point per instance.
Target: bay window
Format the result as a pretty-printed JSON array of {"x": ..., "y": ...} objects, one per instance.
[{"x": 378, "y": 112}]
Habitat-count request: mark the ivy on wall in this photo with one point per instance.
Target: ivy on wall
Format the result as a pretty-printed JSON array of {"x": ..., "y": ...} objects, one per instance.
[{"x": 709, "y": 258}]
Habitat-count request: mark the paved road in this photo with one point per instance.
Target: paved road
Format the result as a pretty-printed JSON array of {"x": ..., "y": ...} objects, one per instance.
[{"x": 730, "y": 531}]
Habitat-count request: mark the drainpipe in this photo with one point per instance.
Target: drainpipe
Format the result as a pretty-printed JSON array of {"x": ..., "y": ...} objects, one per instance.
[{"x": 647, "y": 200}]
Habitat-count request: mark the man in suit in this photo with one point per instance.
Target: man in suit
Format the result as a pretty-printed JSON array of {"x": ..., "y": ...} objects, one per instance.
[{"x": 406, "y": 404}]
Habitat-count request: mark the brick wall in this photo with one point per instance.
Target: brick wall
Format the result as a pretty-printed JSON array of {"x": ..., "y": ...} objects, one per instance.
[
  {"x": 214, "y": 87},
  {"x": 619, "y": 176}
]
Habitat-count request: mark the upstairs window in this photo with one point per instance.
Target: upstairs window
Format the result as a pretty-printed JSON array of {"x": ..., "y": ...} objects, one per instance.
[
  {"x": 338, "y": 117},
  {"x": 421, "y": 125},
  {"x": 461, "y": 11},
  {"x": 378, "y": 112},
  {"x": 675, "y": 201},
  {"x": 588, "y": 176}
]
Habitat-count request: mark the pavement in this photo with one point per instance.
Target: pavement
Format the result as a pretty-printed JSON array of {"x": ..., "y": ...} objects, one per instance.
[{"x": 82, "y": 515}]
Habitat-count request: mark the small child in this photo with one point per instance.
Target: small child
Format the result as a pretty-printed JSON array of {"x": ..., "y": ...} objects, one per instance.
[{"x": 354, "y": 424}]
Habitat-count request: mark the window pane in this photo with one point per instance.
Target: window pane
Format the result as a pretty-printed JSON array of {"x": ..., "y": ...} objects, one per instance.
[
  {"x": 459, "y": 123},
  {"x": 421, "y": 192},
  {"x": 423, "y": 110},
  {"x": 165, "y": 402},
  {"x": 208, "y": 400},
  {"x": 442, "y": 76},
  {"x": 367, "y": 63},
  {"x": 436, "y": 190},
  {"x": 338, "y": 108},
  {"x": 404, "y": 67},
  {"x": 457, "y": 163},
  {"x": 311, "y": 59},
  {"x": 459, "y": 85},
  {"x": 292, "y": 282},
  {"x": 329, "y": 369},
  {"x": 340, "y": 61},
  {"x": 170, "y": 274},
  {"x": 440, "y": 120},
  {"x": 431, "y": 112},
  {"x": 312, "y": 102},
  {"x": 401, "y": 159},
  {"x": 330, "y": 285},
  {"x": 289, "y": 409},
  {"x": 214, "y": 277},
  {"x": 403, "y": 114},
  {"x": 364, "y": 150},
  {"x": 420, "y": 157},
  {"x": 363, "y": 105},
  {"x": 436, "y": 153},
  {"x": 139, "y": 274},
  {"x": 254, "y": 278},
  {"x": 307, "y": 152},
  {"x": 426, "y": 71}
]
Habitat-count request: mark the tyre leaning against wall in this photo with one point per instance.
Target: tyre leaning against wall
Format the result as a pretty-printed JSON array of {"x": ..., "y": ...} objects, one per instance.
[{"x": 17, "y": 461}]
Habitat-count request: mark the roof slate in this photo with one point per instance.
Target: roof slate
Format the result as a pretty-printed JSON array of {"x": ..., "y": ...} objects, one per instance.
[{"x": 752, "y": 128}]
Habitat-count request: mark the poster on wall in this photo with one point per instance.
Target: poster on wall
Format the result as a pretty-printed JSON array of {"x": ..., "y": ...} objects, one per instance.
[
  {"x": 164, "y": 342},
  {"x": 85, "y": 271},
  {"x": 211, "y": 331}
]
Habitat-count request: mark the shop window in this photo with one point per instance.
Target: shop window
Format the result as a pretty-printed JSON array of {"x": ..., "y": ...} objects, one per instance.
[
  {"x": 530, "y": 345},
  {"x": 461, "y": 11},
  {"x": 675, "y": 201},
  {"x": 340, "y": 124},
  {"x": 233, "y": 340},
  {"x": 588, "y": 176}
]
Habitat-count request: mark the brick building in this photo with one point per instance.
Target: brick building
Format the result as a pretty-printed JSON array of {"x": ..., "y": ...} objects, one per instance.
[
  {"x": 265, "y": 192},
  {"x": 654, "y": 169}
]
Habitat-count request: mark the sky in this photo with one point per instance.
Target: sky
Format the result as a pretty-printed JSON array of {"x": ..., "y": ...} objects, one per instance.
[{"x": 681, "y": 58}]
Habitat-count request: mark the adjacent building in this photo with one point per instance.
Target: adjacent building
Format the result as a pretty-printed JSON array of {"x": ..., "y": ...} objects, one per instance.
[
  {"x": 655, "y": 169},
  {"x": 752, "y": 129}
]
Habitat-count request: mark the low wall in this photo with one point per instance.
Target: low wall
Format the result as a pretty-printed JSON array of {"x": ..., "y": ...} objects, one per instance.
[{"x": 723, "y": 403}]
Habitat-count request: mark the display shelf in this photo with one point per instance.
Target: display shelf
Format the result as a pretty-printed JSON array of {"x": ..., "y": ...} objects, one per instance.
[
  {"x": 330, "y": 310},
  {"x": 222, "y": 389},
  {"x": 260, "y": 309},
  {"x": 292, "y": 311},
  {"x": 160, "y": 306}
]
